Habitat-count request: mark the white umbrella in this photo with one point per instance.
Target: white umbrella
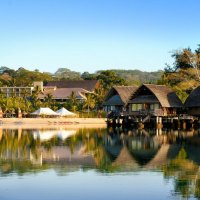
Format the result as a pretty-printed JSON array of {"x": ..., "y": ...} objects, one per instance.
[
  {"x": 44, "y": 111},
  {"x": 65, "y": 112}
]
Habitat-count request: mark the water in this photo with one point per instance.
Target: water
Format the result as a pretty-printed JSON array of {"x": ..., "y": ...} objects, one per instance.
[{"x": 99, "y": 164}]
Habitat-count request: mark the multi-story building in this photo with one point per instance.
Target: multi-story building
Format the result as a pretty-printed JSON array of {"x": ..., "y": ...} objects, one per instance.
[{"x": 16, "y": 91}]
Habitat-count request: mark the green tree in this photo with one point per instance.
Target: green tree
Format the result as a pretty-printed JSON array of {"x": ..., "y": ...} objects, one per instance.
[
  {"x": 67, "y": 74},
  {"x": 184, "y": 75},
  {"x": 73, "y": 101},
  {"x": 99, "y": 95},
  {"x": 88, "y": 76},
  {"x": 109, "y": 78},
  {"x": 48, "y": 100},
  {"x": 35, "y": 98},
  {"x": 89, "y": 103}
]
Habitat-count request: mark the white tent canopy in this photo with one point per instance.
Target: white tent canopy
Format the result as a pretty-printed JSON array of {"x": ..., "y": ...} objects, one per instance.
[
  {"x": 44, "y": 111},
  {"x": 64, "y": 112},
  {"x": 47, "y": 135}
]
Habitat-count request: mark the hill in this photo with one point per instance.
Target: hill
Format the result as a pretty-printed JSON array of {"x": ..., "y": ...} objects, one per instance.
[
  {"x": 137, "y": 77},
  {"x": 26, "y": 77}
]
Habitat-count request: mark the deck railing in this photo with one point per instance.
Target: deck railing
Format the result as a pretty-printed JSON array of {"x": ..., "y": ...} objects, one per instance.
[{"x": 156, "y": 112}]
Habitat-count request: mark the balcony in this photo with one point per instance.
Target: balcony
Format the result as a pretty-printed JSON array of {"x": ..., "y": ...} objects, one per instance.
[{"x": 156, "y": 112}]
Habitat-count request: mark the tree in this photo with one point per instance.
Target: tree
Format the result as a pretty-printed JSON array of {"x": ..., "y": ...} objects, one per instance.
[
  {"x": 109, "y": 78},
  {"x": 89, "y": 103},
  {"x": 34, "y": 98},
  {"x": 73, "y": 101},
  {"x": 184, "y": 75},
  {"x": 99, "y": 95},
  {"x": 48, "y": 99},
  {"x": 67, "y": 74},
  {"x": 88, "y": 76},
  {"x": 184, "y": 59}
]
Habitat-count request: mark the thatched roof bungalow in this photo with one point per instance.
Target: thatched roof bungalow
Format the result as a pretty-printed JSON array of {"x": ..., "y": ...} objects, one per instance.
[
  {"x": 192, "y": 103},
  {"x": 156, "y": 100},
  {"x": 117, "y": 97}
]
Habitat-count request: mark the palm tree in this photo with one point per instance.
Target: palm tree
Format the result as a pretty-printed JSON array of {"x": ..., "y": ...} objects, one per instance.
[
  {"x": 73, "y": 100},
  {"x": 26, "y": 95},
  {"x": 89, "y": 103},
  {"x": 34, "y": 97},
  {"x": 99, "y": 96},
  {"x": 48, "y": 99}
]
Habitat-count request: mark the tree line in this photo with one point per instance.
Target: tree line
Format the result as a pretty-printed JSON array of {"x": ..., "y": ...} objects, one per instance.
[
  {"x": 184, "y": 74},
  {"x": 28, "y": 103}
]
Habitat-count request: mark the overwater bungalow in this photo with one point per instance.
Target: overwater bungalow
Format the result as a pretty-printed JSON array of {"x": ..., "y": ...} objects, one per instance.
[
  {"x": 192, "y": 103},
  {"x": 153, "y": 100},
  {"x": 117, "y": 97}
]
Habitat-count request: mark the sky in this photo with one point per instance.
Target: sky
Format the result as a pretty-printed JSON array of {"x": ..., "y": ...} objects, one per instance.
[{"x": 91, "y": 35}]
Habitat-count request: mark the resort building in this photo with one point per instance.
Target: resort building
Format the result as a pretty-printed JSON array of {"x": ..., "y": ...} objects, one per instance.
[
  {"x": 16, "y": 91},
  {"x": 61, "y": 95},
  {"x": 117, "y": 97},
  {"x": 89, "y": 85},
  {"x": 61, "y": 91},
  {"x": 154, "y": 100},
  {"x": 192, "y": 103}
]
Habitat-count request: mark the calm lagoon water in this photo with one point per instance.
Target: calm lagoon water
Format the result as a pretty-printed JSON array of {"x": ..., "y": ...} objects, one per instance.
[{"x": 99, "y": 164}]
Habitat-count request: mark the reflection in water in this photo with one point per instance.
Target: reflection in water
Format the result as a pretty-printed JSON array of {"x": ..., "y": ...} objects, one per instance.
[{"x": 174, "y": 153}]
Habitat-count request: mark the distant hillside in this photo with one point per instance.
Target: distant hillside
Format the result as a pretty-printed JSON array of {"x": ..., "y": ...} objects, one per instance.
[
  {"x": 26, "y": 77},
  {"x": 66, "y": 74},
  {"x": 138, "y": 77}
]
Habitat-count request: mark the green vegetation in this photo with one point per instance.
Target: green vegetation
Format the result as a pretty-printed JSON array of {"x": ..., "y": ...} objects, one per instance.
[
  {"x": 66, "y": 74},
  {"x": 185, "y": 173},
  {"x": 24, "y": 77},
  {"x": 184, "y": 75},
  {"x": 136, "y": 77},
  {"x": 21, "y": 77}
]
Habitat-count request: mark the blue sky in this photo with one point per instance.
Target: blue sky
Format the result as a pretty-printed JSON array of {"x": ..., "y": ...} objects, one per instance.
[{"x": 91, "y": 35}]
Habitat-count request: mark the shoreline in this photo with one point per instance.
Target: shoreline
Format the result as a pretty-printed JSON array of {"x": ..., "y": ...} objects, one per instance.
[{"x": 52, "y": 123}]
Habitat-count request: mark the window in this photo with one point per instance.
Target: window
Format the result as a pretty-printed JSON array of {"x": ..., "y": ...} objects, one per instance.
[
  {"x": 140, "y": 107},
  {"x": 154, "y": 106},
  {"x": 109, "y": 108},
  {"x": 112, "y": 108},
  {"x": 136, "y": 107}
]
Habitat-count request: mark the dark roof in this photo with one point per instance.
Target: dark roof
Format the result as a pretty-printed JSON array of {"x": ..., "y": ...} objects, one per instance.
[
  {"x": 145, "y": 99},
  {"x": 64, "y": 93},
  {"x": 119, "y": 95},
  {"x": 193, "y": 99},
  {"x": 114, "y": 100},
  {"x": 165, "y": 95},
  {"x": 89, "y": 85}
]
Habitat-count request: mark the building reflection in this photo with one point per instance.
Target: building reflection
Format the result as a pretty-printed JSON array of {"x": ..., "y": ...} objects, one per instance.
[{"x": 174, "y": 153}]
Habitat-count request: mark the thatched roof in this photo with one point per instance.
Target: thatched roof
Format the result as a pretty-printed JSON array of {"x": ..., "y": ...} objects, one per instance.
[
  {"x": 145, "y": 98},
  {"x": 165, "y": 95},
  {"x": 89, "y": 85},
  {"x": 64, "y": 93},
  {"x": 125, "y": 159},
  {"x": 193, "y": 99},
  {"x": 119, "y": 95}
]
